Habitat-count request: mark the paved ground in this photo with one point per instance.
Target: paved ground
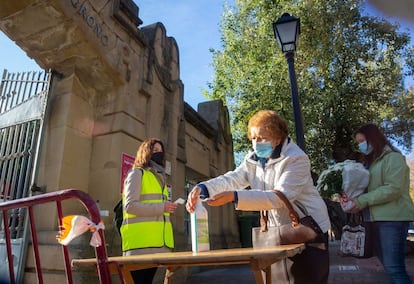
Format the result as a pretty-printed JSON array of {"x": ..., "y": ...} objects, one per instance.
[
  {"x": 346, "y": 270},
  {"x": 343, "y": 270}
]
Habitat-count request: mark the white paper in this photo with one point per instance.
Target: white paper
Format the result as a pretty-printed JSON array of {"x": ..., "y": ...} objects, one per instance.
[{"x": 180, "y": 201}]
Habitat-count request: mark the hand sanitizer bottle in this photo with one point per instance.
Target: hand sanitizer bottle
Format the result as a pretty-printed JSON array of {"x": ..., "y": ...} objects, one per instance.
[{"x": 199, "y": 228}]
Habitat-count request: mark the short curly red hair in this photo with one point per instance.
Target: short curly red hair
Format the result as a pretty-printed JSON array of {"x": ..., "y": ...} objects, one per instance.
[{"x": 273, "y": 123}]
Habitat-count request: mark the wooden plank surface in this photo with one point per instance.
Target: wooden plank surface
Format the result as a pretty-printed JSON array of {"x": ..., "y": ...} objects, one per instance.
[
  {"x": 259, "y": 259},
  {"x": 190, "y": 258}
]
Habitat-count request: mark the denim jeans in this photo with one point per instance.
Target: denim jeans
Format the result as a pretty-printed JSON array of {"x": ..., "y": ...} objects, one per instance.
[{"x": 391, "y": 249}]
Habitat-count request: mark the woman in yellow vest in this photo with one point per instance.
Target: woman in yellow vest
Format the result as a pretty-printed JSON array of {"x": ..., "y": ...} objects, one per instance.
[{"x": 146, "y": 227}]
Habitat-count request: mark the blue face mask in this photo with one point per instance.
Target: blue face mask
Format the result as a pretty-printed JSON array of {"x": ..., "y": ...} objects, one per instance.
[
  {"x": 365, "y": 148},
  {"x": 262, "y": 149}
]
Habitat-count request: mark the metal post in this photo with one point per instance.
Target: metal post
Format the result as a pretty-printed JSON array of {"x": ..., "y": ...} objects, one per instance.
[{"x": 295, "y": 100}]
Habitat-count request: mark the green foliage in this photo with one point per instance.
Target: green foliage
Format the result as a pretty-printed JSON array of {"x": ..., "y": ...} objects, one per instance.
[
  {"x": 330, "y": 183},
  {"x": 400, "y": 123},
  {"x": 349, "y": 69}
]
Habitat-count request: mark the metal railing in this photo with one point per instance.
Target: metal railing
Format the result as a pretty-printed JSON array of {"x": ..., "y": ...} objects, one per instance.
[
  {"x": 17, "y": 88},
  {"x": 58, "y": 197}
]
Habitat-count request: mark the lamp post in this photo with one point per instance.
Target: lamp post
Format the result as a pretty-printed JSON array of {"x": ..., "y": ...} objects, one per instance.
[{"x": 287, "y": 29}]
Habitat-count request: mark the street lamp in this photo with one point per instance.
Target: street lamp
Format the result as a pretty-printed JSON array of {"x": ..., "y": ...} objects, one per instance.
[{"x": 287, "y": 29}]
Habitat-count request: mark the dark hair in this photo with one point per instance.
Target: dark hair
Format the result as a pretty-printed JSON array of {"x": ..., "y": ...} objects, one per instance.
[
  {"x": 144, "y": 152},
  {"x": 376, "y": 138}
]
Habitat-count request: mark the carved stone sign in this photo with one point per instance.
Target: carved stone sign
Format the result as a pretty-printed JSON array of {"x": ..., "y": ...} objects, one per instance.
[{"x": 91, "y": 21}]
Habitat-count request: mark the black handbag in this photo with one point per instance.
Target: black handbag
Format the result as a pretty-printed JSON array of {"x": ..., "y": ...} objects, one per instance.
[
  {"x": 118, "y": 216},
  {"x": 300, "y": 230}
]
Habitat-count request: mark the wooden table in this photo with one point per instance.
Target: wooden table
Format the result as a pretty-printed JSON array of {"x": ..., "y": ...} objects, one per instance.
[{"x": 259, "y": 259}]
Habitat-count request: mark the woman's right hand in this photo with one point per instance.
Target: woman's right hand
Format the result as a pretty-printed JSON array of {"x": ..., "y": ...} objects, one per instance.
[
  {"x": 170, "y": 207},
  {"x": 192, "y": 198}
]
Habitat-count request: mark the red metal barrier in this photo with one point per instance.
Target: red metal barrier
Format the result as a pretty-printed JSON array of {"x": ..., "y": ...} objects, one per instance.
[{"x": 58, "y": 197}]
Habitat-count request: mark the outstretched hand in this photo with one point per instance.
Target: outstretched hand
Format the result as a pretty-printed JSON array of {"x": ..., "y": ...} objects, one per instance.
[
  {"x": 192, "y": 199},
  {"x": 221, "y": 198}
]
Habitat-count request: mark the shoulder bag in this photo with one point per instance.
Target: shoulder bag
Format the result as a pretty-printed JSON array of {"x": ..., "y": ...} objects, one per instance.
[
  {"x": 300, "y": 230},
  {"x": 356, "y": 237}
]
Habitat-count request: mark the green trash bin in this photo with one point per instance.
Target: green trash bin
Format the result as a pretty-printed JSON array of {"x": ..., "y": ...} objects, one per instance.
[{"x": 246, "y": 223}]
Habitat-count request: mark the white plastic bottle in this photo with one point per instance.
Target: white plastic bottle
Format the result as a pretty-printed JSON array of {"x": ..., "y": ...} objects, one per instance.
[{"x": 200, "y": 240}]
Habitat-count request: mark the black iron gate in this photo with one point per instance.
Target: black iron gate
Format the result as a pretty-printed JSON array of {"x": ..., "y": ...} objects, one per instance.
[{"x": 23, "y": 101}]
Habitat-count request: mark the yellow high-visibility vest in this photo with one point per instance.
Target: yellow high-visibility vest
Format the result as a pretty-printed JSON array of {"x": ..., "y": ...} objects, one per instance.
[{"x": 143, "y": 232}]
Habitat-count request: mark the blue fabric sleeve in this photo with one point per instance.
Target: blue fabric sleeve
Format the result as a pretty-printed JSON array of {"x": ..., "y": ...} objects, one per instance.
[
  {"x": 236, "y": 198},
  {"x": 204, "y": 192}
]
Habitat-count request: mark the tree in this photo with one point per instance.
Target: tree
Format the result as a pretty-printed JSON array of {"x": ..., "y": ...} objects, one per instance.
[
  {"x": 349, "y": 69},
  {"x": 401, "y": 126}
]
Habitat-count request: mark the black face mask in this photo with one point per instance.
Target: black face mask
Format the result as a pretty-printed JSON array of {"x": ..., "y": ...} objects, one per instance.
[{"x": 158, "y": 157}]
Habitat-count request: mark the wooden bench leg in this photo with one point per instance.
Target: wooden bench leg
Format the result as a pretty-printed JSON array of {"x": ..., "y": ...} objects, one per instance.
[
  {"x": 127, "y": 277},
  {"x": 258, "y": 276},
  {"x": 268, "y": 272},
  {"x": 168, "y": 274}
]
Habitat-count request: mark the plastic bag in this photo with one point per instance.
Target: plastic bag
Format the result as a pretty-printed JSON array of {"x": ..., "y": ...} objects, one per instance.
[
  {"x": 74, "y": 226},
  {"x": 355, "y": 178}
]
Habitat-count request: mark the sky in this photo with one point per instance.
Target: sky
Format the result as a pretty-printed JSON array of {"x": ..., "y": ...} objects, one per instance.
[{"x": 195, "y": 26}]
